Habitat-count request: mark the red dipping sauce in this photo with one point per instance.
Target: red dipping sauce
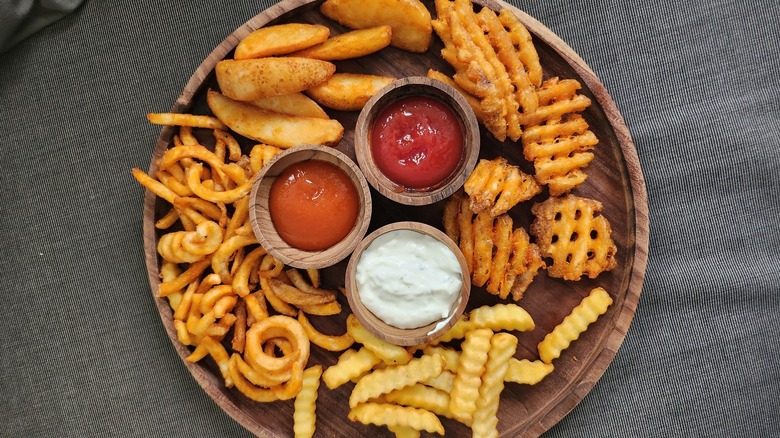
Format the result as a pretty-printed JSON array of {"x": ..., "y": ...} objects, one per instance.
[
  {"x": 313, "y": 205},
  {"x": 417, "y": 142}
]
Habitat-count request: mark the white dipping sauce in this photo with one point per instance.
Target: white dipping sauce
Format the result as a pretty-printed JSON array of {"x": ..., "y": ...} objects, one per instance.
[{"x": 408, "y": 279}]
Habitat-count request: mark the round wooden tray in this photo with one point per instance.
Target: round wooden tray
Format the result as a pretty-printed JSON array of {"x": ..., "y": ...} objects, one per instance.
[{"x": 614, "y": 178}]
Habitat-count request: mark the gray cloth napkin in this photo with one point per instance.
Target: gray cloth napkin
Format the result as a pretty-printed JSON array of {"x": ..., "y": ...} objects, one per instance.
[{"x": 22, "y": 18}]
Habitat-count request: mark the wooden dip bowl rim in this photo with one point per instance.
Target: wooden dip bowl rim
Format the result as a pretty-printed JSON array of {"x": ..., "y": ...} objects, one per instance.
[
  {"x": 387, "y": 332},
  {"x": 263, "y": 226},
  {"x": 417, "y": 86}
]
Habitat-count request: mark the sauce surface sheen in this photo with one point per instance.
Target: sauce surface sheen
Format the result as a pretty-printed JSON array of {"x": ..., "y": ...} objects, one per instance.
[
  {"x": 417, "y": 142},
  {"x": 313, "y": 205}
]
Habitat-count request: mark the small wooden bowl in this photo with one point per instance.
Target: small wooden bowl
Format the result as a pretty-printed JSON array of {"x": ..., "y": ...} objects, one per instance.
[
  {"x": 417, "y": 86},
  {"x": 263, "y": 226},
  {"x": 387, "y": 332}
]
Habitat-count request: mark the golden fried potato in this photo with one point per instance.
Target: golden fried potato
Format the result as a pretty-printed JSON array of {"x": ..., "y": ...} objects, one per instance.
[
  {"x": 526, "y": 372},
  {"x": 468, "y": 378},
  {"x": 179, "y": 119},
  {"x": 502, "y": 348},
  {"x": 276, "y": 129},
  {"x": 571, "y": 231},
  {"x": 280, "y": 39},
  {"x": 252, "y": 79},
  {"x": 296, "y": 104},
  {"x": 304, "y": 416},
  {"x": 396, "y": 377},
  {"x": 495, "y": 63},
  {"x": 350, "y": 45},
  {"x": 384, "y": 414},
  {"x": 498, "y": 185},
  {"x": 410, "y": 19},
  {"x": 348, "y": 91},
  {"x": 498, "y": 256},
  {"x": 569, "y": 330}
]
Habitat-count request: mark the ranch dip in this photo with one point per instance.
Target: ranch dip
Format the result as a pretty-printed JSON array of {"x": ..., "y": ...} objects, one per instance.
[{"x": 408, "y": 279}]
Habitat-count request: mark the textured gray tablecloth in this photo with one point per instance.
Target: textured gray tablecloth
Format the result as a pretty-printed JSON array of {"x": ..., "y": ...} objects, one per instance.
[{"x": 84, "y": 352}]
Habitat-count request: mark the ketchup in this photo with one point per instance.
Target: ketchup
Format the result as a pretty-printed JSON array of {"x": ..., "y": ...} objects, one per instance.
[
  {"x": 313, "y": 205},
  {"x": 417, "y": 142}
]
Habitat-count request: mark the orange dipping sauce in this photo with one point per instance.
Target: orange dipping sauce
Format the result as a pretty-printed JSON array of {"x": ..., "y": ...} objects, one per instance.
[
  {"x": 313, "y": 205},
  {"x": 417, "y": 142}
]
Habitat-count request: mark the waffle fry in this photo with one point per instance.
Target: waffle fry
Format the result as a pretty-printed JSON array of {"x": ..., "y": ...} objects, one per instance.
[
  {"x": 304, "y": 417},
  {"x": 502, "y": 348},
  {"x": 495, "y": 63},
  {"x": 569, "y": 330},
  {"x": 382, "y": 414},
  {"x": 395, "y": 377},
  {"x": 571, "y": 232},
  {"x": 471, "y": 366},
  {"x": 496, "y": 254},
  {"x": 526, "y": 372},
  {"x": 497, "y": 185}
]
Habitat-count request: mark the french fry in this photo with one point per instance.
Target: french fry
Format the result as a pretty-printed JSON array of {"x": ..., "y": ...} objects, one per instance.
[
  {"x": 348, "y": 91},
  {"x": 404, "y": 432},
  {"x": 423, "y": 397},
  {"x": 280, "y": 39},
  {"x": 154, "y": 186},
  {"x": 295, "y": 296},
  {"x": 248, "y": 265},
  {"x": 179, "y": 119},
  {"x": 351, "y": 364},
  {"x": 350, "y": 45},
  {"x": 526, "y": 372},
  {"x": 221, "y": 257},
  {"x": 192, "y": 273},
  {"x": 443, "y": 381},
  {"x": 246, "y": 387},
  {"x": 450, "y": 355},
  {"x": 239, "y": 331},
  {"x": 502, "y": 348},
  {"x": 388, "y": 353},
  {"x": 569, "y": 330},
  {"x": 394, "y": 377},
  {"x": 382, "y": 414},
  {"x": 471, "y": 366},
  {"x": 330, "y": 343},
  {"x": 276, "y": 129},
  {"x": 501, "y": 317},
  {"x": 304, "y": 417},
  {"x": 194, "y": 174}
]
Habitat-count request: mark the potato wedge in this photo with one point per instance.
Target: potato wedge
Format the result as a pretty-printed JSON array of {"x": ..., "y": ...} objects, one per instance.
[
  {"x": 350, "y": 45},
  {"x": 272, "y": 128},
  {"x": 280, "y": 39},
  {"x": 252, "y": 79},
  {"x": 410, "y": 19},
  {"x": 348, "y": 91},
  {"x": 297, "y": 104}
]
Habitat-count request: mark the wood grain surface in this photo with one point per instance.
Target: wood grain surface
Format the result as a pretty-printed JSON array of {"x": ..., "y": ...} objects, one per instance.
[{"x": 614, "y": 178}]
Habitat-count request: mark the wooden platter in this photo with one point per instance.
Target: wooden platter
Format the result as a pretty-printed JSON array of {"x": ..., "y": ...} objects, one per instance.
[{"x": 614, "y": 178}]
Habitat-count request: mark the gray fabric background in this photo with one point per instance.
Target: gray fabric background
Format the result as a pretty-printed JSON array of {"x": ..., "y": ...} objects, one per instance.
[{"x": 84, "y": 352}]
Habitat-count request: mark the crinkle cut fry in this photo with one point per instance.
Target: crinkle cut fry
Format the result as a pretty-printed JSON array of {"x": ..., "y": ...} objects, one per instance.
[{"x": 569, "y": 330}]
